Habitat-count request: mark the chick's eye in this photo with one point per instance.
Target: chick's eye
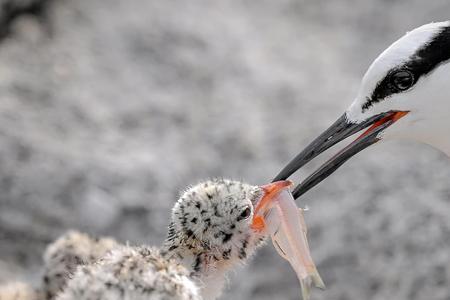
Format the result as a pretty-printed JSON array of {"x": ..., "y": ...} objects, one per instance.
[
  {"x": 402, "y": 80},
  {"x": 246, "y": 213}
]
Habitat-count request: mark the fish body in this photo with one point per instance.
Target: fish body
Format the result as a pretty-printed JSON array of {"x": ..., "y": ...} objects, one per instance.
[{"x": 284, "y": 221}]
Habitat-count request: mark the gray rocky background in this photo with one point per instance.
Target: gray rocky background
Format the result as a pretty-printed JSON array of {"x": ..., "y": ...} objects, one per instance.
[{"x": 108, "y": 108}]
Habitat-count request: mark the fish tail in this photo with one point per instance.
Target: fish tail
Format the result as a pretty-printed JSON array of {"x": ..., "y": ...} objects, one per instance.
[
  {"x": 313, "y": 278},
  {"x": 305, "y": 284},
  {"x": 317, "y": 280}
]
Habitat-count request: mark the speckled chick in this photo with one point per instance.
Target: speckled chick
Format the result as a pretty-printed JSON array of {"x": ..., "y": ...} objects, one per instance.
[
  {"x": 210, "y": 231},
  {"x": 64, "y": 255},
  {"x": 18, "y": 291},
  {"x": 131, "y": 273}
]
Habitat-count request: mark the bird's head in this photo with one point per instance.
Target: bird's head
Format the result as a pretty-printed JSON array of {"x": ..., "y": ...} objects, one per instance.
[
  {"x": 404, "y": 94},
  {"x": 409, "y": 79},
  {"x": 212, "y": 230},
  {"x": 211, "y": 223}
]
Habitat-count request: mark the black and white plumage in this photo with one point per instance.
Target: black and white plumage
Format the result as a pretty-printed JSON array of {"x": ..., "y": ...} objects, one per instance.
[
  {"x": 403, "y": 95},
  {"x": 61, "y": 259},
  {"x": 131, "y": 273},
  {"x": 63, "y": 256},
  {"x": 209, "y": 234},
  {"x": 79, "y": 267},
  {"x": 210, "y": 231}
]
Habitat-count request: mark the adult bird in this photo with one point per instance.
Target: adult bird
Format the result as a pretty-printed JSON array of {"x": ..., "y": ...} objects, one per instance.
[{"x": 405, "y": 94}]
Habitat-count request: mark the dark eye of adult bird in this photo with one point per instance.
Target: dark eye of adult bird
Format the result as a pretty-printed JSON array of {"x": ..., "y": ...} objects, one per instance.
[{"x": 402, "y": 80}]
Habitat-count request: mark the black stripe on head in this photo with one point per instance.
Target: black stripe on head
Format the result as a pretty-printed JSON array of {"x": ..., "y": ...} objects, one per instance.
[{"x": 420, "y": 64}]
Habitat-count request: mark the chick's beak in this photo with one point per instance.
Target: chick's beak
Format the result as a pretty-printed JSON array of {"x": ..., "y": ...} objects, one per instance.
[{"x": 269, "y": 192}]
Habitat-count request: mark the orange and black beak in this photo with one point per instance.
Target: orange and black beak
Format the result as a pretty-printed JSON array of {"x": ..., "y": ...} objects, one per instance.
[{"x": 340, "y": 130}]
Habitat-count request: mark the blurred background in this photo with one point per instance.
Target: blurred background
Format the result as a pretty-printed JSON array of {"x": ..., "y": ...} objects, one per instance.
[{"x": 109, "y": 108}]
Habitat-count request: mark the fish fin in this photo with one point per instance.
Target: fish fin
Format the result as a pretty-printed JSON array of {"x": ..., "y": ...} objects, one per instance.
[
  {"x": 317, "y": 280},
  {"x": 280, "y": 250},
  {"x": 306, "y": 288},
  {"x": 306, "y": 283}
]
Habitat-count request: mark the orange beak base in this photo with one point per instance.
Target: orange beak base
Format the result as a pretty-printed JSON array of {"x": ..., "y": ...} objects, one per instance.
[{"x": 269, "y": 192}]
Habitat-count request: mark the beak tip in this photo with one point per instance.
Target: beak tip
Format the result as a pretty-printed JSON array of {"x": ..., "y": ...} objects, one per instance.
[{"x": 276, "y": 186}]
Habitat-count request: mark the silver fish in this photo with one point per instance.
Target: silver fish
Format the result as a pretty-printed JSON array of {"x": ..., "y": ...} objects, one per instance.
[{"x": 278, "y": 215}]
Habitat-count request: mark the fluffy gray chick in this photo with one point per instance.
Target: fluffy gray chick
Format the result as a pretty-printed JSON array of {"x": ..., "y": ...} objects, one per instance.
[
  {"x": 63, "y": 256},
  {"x": 210, "y": 231},
  {"x": 131, "y": 273}
]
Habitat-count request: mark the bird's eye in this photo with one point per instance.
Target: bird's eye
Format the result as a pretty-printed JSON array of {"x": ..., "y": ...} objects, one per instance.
[
  {"x": 246, "y": 213},
  {"x": 402, "y": 80}
]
